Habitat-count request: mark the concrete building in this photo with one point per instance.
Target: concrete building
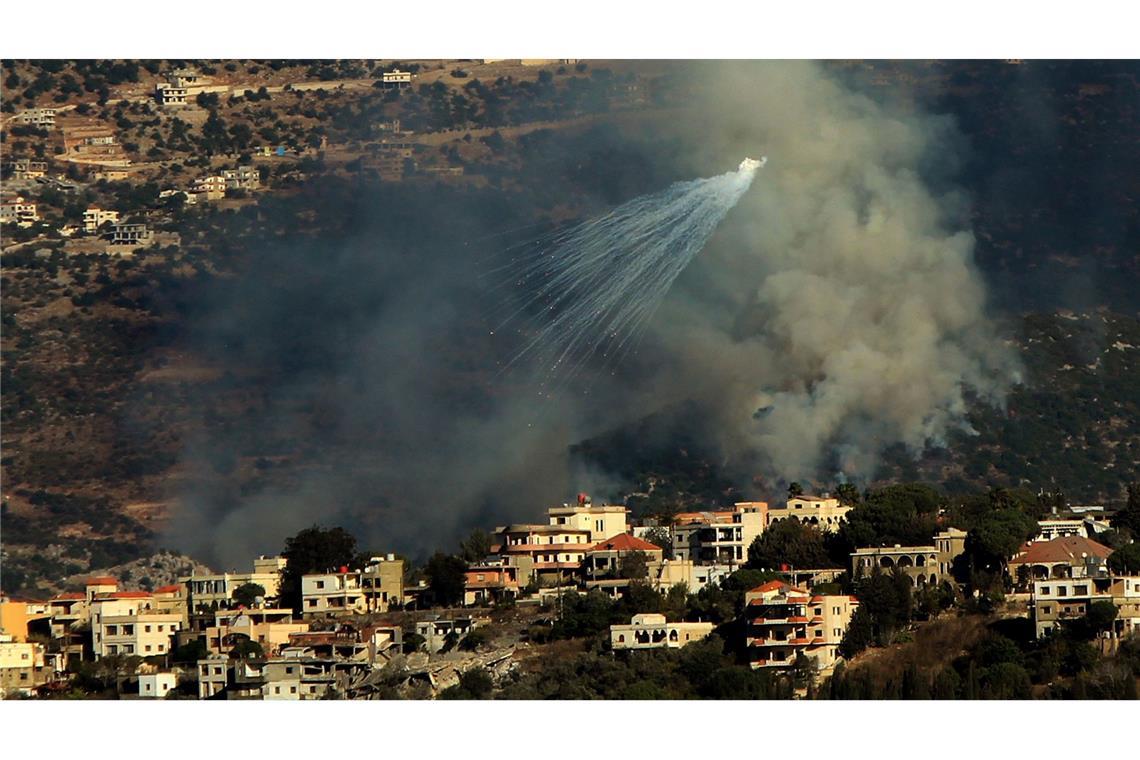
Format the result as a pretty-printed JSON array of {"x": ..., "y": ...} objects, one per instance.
[
  {"x": 490, "y": 582},
  {"x": 168, "y": 95},
  {"x": 243, "y": 178},
  {"x": 212, "y": 592},
  {"x": 130, "y": 234},
  {"x": 156, "y": 685},
  {"x": 784, "y": 621},
  {"x": 919, "y": 563},
  {"x": 396, "y": 79},
  {"x": 436, "y": 630},
  {"x": 23, "y": 667},
  {"x": 94, "y": 218},
  {"x": 651, "y": 631},
  {"x": 1058, "y": 600},
  {"x": 1067, "y": 557},
  {"x": 720, "y": 537},
  {"x": 44, "y": 118},
  {"x": 605, "y": 558},
  {"x": 950, "y": 543},
  {"x": 695, "y": 576},
  {"x": 376, "y": 588},
  {"x": 824, "y": 512},
  {"x": 268, "y": 627},
  {"x": 210, "y": 188},
  {"x": 26, "y": 168},
  {"x": 1061, "y": 527},
  {"x": 600, "y": 521},
  {"x": 549, "y": 553},
  {"x": 19, "y": 211}
]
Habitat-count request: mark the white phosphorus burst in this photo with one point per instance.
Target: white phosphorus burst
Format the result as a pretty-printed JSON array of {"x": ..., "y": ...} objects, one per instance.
[{"x": 592, "y": 288}]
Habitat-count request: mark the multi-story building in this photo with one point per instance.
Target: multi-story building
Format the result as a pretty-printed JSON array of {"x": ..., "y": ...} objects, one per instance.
[
  {"x": 94, "y": 218},
  {"x": 268, "y": 627},
  {"x": 600, "y": 521},
  {"x": 1067, "y": 557},
  {"x": 651, "y": 631},
  {"x": 17, "y": 210},
  {"x": 824, "y": 512},
  {"x": 396, "y": 79},
  {"x": 785, "y": 621},
  {"x": 169, "y": 95},
  {"x": 1062, "y": 527},
  {"x": 720, "y": 537},
  {"x": 605, "y": 558},
  {"x": 950, "y": 543},
  {"x": 377, "y": 587},
  {"x": 548, "y": 553},
  {"x": 68, "y": 615},
  {"x": 243, "y": 177},
  {"x": 130, "y": 234},
  {"x": 44, "y": 118},
  {"x": 490, "y": 581},
  {"x": 436, "y": 630},
  {"x": 23, "y": 667},
  {"x": 674, "y": 571},
  {"x": 26, "y": 168},
  {"x": 212, "y": 592},
  {"x": 1057, "y": 600},
  {"x": 210, "y": 188},
  {"x": 919, "y": 563}
]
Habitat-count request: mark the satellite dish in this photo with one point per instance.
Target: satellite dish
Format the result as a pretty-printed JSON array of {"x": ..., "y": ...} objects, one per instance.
[{"x": 259, "y": 601}]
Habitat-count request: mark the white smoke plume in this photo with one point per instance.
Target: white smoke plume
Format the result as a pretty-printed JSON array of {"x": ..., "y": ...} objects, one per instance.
[{"x": 841, "y": 310}]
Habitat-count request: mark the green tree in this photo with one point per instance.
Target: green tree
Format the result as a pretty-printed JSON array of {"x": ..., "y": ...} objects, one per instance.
[
  {"x": 313, "y": 550},
  {"x": 1129, "y": 517},
  {"x": 660, "y": 536},
  {"x": 635, "y": 566},
  {"x": 1126, "y": 559},
  {"x": 795, "y": 489},
  {"x": 246, "y": 594},
  {"x": 246, "y": 649},
  {"x": 847, "y": 494},
  {"x": 859, "y": 634},
  {"x": 476, "y": 546},
  {"x": 788, "y": 542},
  {"x": 446, "y": 579}
]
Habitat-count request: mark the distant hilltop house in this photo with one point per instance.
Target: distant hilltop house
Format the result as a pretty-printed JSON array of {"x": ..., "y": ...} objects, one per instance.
[
  {"x": 1060, "y": 527},
  {"x": 243, "y": 177},
  {"x": 179, "y": 86},
  {"x": 17, "y": 210},
  {"x": 28, "y": 169},
  {"x": 652, "y": 631},
  {"x": 130, "y": 234},
  {"x": 396, "y": 79},
  {"x": 44, "y": 118},
  {"x": 94, "y": 218}
]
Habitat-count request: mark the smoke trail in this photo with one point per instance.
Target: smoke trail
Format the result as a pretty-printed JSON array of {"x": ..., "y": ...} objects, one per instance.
[{"x": 594, "y": 286}]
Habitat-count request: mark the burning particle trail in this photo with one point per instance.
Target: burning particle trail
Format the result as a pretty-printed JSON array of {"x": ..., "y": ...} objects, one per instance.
[{"x": 593, "y": 287}]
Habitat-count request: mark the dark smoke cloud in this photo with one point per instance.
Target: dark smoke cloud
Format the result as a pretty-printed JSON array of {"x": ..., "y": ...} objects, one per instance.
[{"x": 838, "y": 311}]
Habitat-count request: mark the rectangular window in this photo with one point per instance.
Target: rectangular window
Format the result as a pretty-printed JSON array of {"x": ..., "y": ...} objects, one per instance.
[
  {"x": 320, "y": 584},
  {"x": 147, "y": 628}
]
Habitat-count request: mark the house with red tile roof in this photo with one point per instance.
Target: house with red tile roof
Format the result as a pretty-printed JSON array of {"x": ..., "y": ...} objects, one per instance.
[
  {"x": 1065, "y": 557},
  {"x": 785, "y": 621}
]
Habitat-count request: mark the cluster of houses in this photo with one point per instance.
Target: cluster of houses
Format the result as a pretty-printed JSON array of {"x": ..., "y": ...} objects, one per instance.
[{"x": 581, "y": 547}]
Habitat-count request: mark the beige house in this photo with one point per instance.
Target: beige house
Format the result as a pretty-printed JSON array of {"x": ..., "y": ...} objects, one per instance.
[
  {"x": 17, "y": 210},
  {"x": 674, "y": 571},
  {"x": 23, "y": 666},
  {"x": 26, "y": 168},
  {"x": 785, "y": 621},
  {"x": 604, "y": 559},
  {"x": 210, "y": 188},
  {"x": 651, "y": 631},
  {"x": 243, "y": 177},
  {"x": 950, "y": 544},
  {"x": 94, "y": 218},
  {"x": 551, "y": 553},
  {"x": 156, "y": 685},
  {"x": 127, "y": 622},
  {"x": 602, "y": 521},
  {"x": 271, "y": 628},
  {"x": 44, "y": 118},
  {"x": 130, "y": 234},
  {"x": 376, "y": 588},
  {"x": 824, "y": 512},
  {"x": 1055, "y": 601},
  {"x": 720, "y": 537},
  {"x": 1066, "y": 557},
  {"x": 211, "y": 592},
  {"x": 919, "y": 563}
]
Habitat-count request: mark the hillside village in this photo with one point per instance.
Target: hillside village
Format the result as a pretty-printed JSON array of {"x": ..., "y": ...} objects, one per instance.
[{"x": 474, "y": 624}]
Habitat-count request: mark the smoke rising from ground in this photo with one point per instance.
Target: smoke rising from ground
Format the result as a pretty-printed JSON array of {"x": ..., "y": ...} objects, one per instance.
[
  {"x": 865, "y": 315},
  {"x": 836, "y": 311}
]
